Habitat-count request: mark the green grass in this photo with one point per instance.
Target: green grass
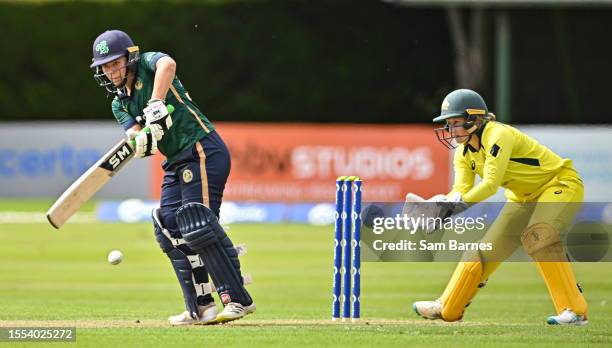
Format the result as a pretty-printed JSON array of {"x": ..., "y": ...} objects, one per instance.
[{"x": 62, "y": 277}]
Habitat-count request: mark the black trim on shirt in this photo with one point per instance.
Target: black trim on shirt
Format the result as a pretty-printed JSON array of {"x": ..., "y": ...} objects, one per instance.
[{"x": 528, "y": 161}]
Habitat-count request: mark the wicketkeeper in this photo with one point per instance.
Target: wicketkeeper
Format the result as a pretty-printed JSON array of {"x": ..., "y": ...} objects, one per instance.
[
  {"x": 534, "y": 177},
  {"x": 196, "y": 169}
]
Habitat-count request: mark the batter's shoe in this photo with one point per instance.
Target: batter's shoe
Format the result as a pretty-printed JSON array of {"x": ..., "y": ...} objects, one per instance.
[
  {"x": 234, "y": 311},
  {"x": 428, "y": 309},
  {"x": 567, "y": 317},
  {"x": 207, "y": 314}
]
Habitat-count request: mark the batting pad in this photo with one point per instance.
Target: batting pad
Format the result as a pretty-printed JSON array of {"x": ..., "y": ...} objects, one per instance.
[
  {"x": 469, "y": 276},
  {"x": 562, "y": 287},
  {"x": 182, "y": 265},
  {"x": 543, "y": 244},
  {"x": 460, "y": 290},
  {"x": 203, "y": 233}
]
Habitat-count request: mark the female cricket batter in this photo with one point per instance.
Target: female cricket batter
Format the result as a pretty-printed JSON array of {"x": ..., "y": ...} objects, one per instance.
[
  {"x": 195, "y": 172},
  {"x": 531, "y": 174}
]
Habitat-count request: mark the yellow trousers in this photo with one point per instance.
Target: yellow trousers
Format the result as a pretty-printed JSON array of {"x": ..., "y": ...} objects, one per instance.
[{"x": 555, "y": 204}]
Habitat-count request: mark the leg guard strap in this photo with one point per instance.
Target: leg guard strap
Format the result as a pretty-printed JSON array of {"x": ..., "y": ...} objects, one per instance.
[{"x": 157, "y": 223}]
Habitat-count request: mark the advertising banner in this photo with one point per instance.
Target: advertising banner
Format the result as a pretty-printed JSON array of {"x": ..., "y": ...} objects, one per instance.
[
  {"x": 43, "y": 159},
  {"x": 300, "y": 162}
]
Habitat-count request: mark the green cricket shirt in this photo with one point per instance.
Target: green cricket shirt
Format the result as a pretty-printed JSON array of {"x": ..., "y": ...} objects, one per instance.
[{"x": 188, "y": 123}]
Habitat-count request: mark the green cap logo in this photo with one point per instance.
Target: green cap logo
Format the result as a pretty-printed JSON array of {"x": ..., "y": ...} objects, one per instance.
[{"x": 102, "y": 47}]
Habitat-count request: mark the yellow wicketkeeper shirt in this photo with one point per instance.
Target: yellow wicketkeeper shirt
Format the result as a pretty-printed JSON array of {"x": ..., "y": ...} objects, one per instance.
[{"x": 507, "y": 158}]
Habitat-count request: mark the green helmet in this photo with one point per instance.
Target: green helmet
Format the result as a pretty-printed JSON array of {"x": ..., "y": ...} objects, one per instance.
[{"x": 462, "y": 102}]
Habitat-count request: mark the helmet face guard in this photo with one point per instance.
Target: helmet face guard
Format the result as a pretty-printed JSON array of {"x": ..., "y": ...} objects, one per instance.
[
  {"x": 474, "y": 119},
  {"x": 448, "y": 136},
  {"x": 133, "y": 55},
  {"x": 110, "y": 46},
  {"x": 466, "y": 104},
  {"x": 104, "y": 81}
]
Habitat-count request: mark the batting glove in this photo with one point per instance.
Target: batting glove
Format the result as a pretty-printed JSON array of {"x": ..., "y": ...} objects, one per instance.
[
  {"x": 157, "y": 118},
  {"x": 144, "y": 143}
]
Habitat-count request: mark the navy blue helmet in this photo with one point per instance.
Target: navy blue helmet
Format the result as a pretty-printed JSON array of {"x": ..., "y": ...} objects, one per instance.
[{"x": 108, "y": 46}]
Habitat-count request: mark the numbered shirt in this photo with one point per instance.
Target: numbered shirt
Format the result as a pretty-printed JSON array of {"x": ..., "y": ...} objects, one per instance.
[
  {"x": 507, "y": 158},
  {"x": 189, "y": 123}
]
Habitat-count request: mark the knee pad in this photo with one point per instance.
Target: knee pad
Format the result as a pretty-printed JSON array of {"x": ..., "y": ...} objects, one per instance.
[
  {"x": 202, "y": 233},
  {"x": 543, "y": 243}
]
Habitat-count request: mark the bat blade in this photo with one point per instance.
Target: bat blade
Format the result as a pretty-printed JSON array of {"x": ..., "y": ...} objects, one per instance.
[{"x": 89, "y": 183}]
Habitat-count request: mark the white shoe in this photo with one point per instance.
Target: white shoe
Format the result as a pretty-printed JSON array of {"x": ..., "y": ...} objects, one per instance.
[
  {"x": 567, "y": 317},
  {"x": 234, "y": 311},
  {"x": 207, "y": 315},
  {"x": 428, "y": 309}
]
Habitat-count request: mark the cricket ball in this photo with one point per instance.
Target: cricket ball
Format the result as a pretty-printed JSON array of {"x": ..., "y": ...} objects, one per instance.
[{"x": 115, "y": 257}]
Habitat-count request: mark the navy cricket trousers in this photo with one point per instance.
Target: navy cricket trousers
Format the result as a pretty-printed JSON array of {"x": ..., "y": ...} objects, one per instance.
[{"x": 198, "y": 175}]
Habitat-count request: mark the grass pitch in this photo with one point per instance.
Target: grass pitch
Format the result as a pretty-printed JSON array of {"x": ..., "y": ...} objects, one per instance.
[{"x": 61, "y": 278}]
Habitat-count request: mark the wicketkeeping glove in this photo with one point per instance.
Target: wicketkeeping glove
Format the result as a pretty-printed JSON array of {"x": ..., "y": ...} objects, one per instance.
[
  {"x": 438, "y": 206},
  {"x": 144, "y": 143},
  {"x": 449, "y": 205},
  {"x": 158, "y": 118}
]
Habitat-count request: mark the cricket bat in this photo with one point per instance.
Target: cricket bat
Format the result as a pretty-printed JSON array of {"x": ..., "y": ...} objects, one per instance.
[{"x": 89, "y": 183}]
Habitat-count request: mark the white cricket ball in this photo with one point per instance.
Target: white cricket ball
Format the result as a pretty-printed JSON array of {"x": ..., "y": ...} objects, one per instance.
[{"x": 115, "y": 257}]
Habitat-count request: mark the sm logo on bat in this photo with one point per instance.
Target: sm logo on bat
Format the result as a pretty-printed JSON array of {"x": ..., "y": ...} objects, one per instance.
[{"x": 117, "y": 157}]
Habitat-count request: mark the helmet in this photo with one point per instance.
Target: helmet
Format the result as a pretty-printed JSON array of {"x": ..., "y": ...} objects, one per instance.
[
  {"x": 462, "y": 103},
  {"x": 108, "y": 46}
]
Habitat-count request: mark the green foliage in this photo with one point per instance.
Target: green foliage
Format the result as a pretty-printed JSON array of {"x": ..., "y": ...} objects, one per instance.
[{"x": 251, "y": 60}]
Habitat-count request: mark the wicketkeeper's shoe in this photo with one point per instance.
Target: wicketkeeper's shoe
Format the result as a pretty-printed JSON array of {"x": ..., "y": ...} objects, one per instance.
[
  {"x": 567, "y": 317},
  {"x": 428, "y": 309},
  {"x": 234, "y": 311},
  {"x": 207, "y": 315}
]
